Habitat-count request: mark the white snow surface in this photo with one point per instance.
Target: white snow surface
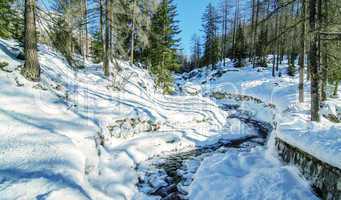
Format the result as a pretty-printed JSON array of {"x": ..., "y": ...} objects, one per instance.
[
  {"x": 56, "y": 144},
  {"x": 321, "y": 140},
  {"x": 51, "y": 131},
  {"x": 246, "y": 175}
]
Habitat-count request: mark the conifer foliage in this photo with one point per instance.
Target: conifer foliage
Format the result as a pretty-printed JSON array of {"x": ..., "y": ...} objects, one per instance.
[
  {"x": 210, "y": 26},
  {"x": 11, "y": 24},
  {"x": 164, "y": 44}
]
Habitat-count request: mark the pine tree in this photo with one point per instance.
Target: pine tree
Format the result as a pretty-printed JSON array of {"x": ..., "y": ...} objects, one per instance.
[
  {"x": 11, "y": 22},
  {"x": 211, "y": 44},
  {"x": 31, "y": 68},
  {"x": 196, "y": 52},
  {"x": 240, "y": 47},
  {"x": 163, "y": 50},
  {"x": 224, "y": 13},
  {"x": 260, "y": 52},
  {"x": 97, "y": 47}
]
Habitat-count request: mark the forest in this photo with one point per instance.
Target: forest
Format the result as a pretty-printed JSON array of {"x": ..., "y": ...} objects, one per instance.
[{"x": 105, "y": 99}]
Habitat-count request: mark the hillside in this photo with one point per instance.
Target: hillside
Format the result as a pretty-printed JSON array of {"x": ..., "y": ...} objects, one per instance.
[{"x": 79, "y": 135}]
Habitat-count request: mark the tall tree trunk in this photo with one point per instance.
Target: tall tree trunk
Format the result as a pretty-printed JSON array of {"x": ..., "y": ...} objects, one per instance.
[
  {"x": 110, "y": 15},
  {"x": 82, "y": 31},
  {"x": 107, "y": 40},
  {"x": 132, "y": 47},
  {"x": 325, "y": 52},
  {"x": 252, "y": 29},
  {"x": 31, "y": 68},
  {"x": 235, "y": 23},
  {"x": 302, "y": 56},
  {"x": 324, "y": 70},
  {"x": 86, "y": 28},
  {"x": 314, "y": 62},
  {"x": 102, "y": 24},
  {"x": 278, "y": 39},
  {"x": 255, "y": 32},
  {"x": 224, "y": 29},
  {"x": 336, "y": 88}
]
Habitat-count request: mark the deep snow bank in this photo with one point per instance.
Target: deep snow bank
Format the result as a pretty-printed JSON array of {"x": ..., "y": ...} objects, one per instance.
[
  {"x": 60, "y": 136},
  {"x": 322, "y": 140}
]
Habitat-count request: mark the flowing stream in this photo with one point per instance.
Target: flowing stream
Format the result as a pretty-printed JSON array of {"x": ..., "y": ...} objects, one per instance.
[{"x": 167, "y": 176}]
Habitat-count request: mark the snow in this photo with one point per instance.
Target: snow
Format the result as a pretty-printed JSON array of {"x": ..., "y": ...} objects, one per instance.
[
  {"x": 52, "y": 131},
  {"x": 246, "y": 175},
  {"x": 56, "y": 141},
  {"x": 322, "y": 140}
]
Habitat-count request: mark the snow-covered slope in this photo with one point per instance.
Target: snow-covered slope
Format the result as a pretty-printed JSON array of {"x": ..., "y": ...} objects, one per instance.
[
  {"x": 58, "y": 138},
  {"x": 79, "y": 135},
  {"x": 322, "y": 140}
]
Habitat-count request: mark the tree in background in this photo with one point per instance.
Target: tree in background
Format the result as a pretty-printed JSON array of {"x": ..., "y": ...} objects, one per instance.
[
  {"x": 196, "y": 52},
  {"x": 224, "y": 15},
  {"x": 164, "y": 44},
  {"x": 11, "y": 20},
  {"x": 240, "y": 52},
  {"x": 211, "y": 44},
  {"x": 31, "y": 68}
]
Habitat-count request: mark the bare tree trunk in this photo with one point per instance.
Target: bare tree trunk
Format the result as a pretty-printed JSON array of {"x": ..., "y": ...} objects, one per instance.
[
  {"x": 251, "y": 32},
  {"x": 235, "y": 23},
  {"x": 325, "y": 53},
  {"x": 107, "y": 40},
  {"x": 255, "y": 31},
  {"x": 324, "y": 70},
  {"x": 314, "y": 62},
  {"x": 132, "y": 48},
  {"x": 274, "y": 52},
  {"x": 278, "y": 39},
  {"x": 86, "y": 28},
  {"x": 111, "y": 27},
  {"x": 82, "y": 31},
  {"x": 336, "y": 88},
  {"x": 101, "y": 23},
  {"x": 302, "y": 56},
  {"x": 31, "y": 68},
  {"x": 224, "y": 31}
]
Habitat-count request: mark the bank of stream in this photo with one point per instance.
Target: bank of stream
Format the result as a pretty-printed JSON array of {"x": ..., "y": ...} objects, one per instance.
[{"x": 166, "y": 177}]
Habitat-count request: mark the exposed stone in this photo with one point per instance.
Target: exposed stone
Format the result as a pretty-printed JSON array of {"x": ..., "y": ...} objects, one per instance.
[
  {"x": 325, "y": 179},
  {"x": 124, "y": 128}
]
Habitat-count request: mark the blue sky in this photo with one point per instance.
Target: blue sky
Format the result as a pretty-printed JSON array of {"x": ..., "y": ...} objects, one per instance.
[{"x": 189, "y": 14}]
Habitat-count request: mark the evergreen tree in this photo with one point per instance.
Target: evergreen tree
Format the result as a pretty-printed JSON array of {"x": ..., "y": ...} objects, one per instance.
[
  {"x": 240, "y": 47},
  {"x": 196, "y": 52},
  {"x": 291, "y": 65},
  {"x": 164, "y": 44},
  {"x": 260, "y": 51},
  {"x": 211, "y": 43},
  {"x": 11, "y": 24},
  {"x": 96, "y": 47}
]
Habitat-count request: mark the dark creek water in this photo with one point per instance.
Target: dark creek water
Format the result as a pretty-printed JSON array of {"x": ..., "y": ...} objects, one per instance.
[{"x": 172, "y": 169}]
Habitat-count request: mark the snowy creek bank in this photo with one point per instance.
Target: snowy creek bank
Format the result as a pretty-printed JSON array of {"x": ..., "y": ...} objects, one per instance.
[
  {"x": 325, "y": 179},
  {"x": 169, "y": 177}
]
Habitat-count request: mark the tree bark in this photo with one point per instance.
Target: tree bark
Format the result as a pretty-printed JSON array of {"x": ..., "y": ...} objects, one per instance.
[
  {"x": 336, "y": 88},
  {"x": 314, "y": 63},
  {"x": 325, "y": 52},
  {"x": 101, "y": 23},
  {"x": 86, "y": 28},
  {"x": 132, "y": 47},
  {"x": 107, "y": 40},
  {"x": 255, "y": 32},
  {"x": 31, "y": 70},
  {"x": 302, "y": 56}
]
